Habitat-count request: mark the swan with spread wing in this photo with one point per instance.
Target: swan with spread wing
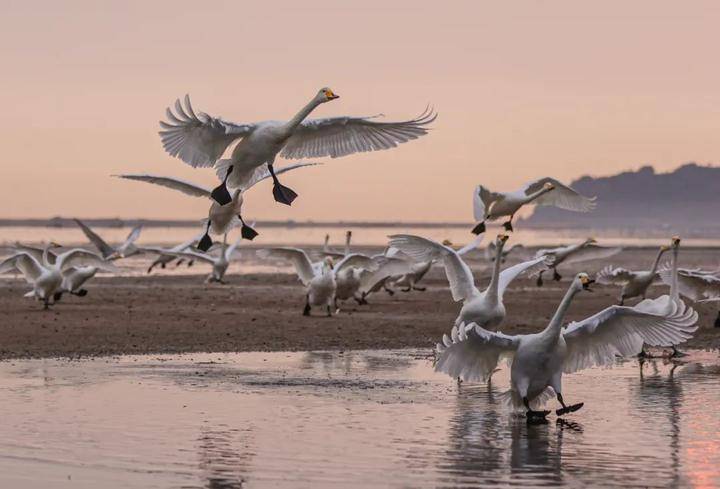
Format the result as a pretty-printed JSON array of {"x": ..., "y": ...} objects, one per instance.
[
  {"x": 634, "y": 283},
  {"x": 126, "y": 249},
  {"x": 49, "y": 278},
  {"x": 485, "y": 308},
  {"x": 200, "y": 140},
  {"x": 577, "y": 253},
  {"x": 221, "y": 218},
  {"x": 490, "y": 206},
  {"x": 539, "y": 360}
]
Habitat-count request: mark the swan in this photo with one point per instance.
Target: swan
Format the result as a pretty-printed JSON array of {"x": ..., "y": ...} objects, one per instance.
[
  {"x": 349, "y": 273},
  {"x": 577, "y": 253},
  {"x": 221, "y": 218},
  {"x": 539, "y": 360},
  {"x": 200, "y": 140},
  {"x": 634, "y": 283},
  {"x": 166, "y": 255},
  {"x": 484, "y": 308},
  {"x": 126, "y": 249},
  {"x": 320, "y": 283},
  {"x": 220, "y": 263},
  {"x": 47, "y": 278},
  {"x": 387, "y": 269},
  {"x": 490, "y": 206}
]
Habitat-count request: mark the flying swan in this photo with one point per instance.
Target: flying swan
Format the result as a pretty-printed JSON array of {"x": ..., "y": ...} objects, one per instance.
[
  {"x": 200, "y": 140},
  {"x": 634, "y": 283},
  {"x": 126, "y": 249}
]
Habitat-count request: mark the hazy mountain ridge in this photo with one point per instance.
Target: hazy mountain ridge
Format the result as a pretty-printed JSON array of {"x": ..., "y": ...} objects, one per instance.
[{"x": 685, "y": 199}]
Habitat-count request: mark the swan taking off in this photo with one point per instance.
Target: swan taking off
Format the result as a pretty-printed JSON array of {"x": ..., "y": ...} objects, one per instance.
[
  {"x": 221, "y": 218},
  {"x": 490, "y": 206},
  {"x": 634, "y": 283},
  {"x": 219, "y": 263},
  {"x": 200, "y": 140},
  {"x": 46, "y": 278},
  {"x": 540, "y": 359},
  {"x": 108, "y": 252},
  {"x": 577, "y": 253},
  {"x": 484, "y": 308}
]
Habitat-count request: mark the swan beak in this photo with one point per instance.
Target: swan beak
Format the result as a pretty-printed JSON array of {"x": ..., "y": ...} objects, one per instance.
[
  {"x": 586, "y": 282},
  {"x": 331, "y": 95},
  {"x": 675, "y": 240},
  {"x": 503, "y": 237}
]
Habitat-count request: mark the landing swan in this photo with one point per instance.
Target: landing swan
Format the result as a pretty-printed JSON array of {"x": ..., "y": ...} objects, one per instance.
[
  {"x": 577, "y": 253},
  {"x": 47, "y": 278},
  {"x": 200, "y": 140},
  {"x": 490, "y": 206},
  {"x": 126, "y": 249},
  {"x": 485, "y": 308},
  {"x": 166, "y": 255},
  {"x": 221, "y": 218},
  {"x": 219, "y": 263},
  {"x": 540, "y": 359},
  {"x": 634, "y": 283}
]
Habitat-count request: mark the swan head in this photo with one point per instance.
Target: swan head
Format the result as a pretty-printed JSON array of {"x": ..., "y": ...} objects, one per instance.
[
  {"x": 328, "y": 263},
  {"x": 447, "y": 242},
  {"x": 583, "y": 281},
  {"x": 675, "y": 242},
  {"x": 326, "y": 95},
  {"x": 590, "y": 241},
  {"x": 548, "y": 186}
]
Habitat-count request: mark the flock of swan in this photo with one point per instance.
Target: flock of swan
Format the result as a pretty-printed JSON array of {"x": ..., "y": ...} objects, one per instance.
[{"x": 471, "y": 351}]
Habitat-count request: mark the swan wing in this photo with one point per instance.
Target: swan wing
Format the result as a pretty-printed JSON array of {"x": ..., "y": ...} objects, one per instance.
[
  {"x": 386, "y": 267},
  {"x": 591, "y": 252},
  {"x": 356, "y": 260},
  {"x": 341, "y": 136},
  {"x": 614, "y": 276},
  {"x": 104, "y": 248},
  {"x": 25, "y": 263},
  {"x": 510, "y": 273},
  {"x": 198, "y": 140},
  {"x": 79, "y": 257},
  {"x": 232, "y": 248},
  {"x": 133, "y": 236},
  {"x": 35, "y": 252},
  {"x": 183, "y": 186},
  {"x": 472, "y": 353},
  {"x": 561, "y": 196},
  {"x": 695, "y": 285},
  {"x": 459, "y": 275},
  {"x": 296, "y": 256},
  {"x": 482, "y": 200},
  {"x": 621, "y": 331}
]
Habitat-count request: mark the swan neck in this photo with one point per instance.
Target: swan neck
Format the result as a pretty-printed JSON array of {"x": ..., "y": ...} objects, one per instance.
[
  {"x": 293, "y": 123},
  {"x": 673, "y": 279},
  {"x": 347, "y": 244},
  {"x": 537, "y": 194},
  {"x": 656, "y": 263},
  {"x": 556, "y": 322},
  {"x": 495, "y": 279}
]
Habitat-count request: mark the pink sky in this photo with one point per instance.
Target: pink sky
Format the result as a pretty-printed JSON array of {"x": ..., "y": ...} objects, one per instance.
[{"x": 524, "y": 89}]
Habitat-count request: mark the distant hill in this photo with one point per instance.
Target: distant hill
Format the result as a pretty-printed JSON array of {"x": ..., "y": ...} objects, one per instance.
[{"x": 686, "y": 200}]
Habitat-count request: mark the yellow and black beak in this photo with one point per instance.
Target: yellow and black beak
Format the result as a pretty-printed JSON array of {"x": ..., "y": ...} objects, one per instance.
[
  {"x": 676, "y": 240},
  {"x": 586, "y": 282},
  {"x": 503, "y": 237},
  {"x": 331, "y": 95}
]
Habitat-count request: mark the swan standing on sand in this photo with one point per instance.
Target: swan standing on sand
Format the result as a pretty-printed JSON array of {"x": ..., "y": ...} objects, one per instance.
[
  {"x": 108, "y": 252},
  {"x": 490, "y": 206},
  {"x": 221, "y": 218},
  {"x": 485, "y": 308},
  {"x": 540, "y": 359},
  {"x": 634, "y": 284},
  {"x": 47, "y": 278},
  {"x": 319, "y": 282},
  {"x": 219, "y": 263},
  {"x": 577, "y": 253},
  {"x": 200, "y": 140}
]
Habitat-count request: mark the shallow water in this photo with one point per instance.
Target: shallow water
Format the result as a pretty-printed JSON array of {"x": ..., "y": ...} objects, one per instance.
[{"x": 354, "y": 419}]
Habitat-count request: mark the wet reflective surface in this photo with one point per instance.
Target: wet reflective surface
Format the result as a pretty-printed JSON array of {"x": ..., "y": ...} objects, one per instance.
[{"x": 354, "y": 419}]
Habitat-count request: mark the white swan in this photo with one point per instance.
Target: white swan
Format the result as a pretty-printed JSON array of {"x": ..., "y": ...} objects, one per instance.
[
  {"x": 47, "y": 278},
  {"x": 221, "y": 218},
  {"x": 485, "y": 308},
  {"x": 577, "y": 253},
  {"x": 490, "y": 206},
  {"x": 219, "y": 263},
  {"x": 540, "y": 359},
  {"x": 634, "y": 283},
  {"x": 491, "y": 251},
  {"x": 200, "y": 140},
  {"x": 349, "y": 273},
  {"x": 320, "y": 284},
  {"x": 126, "y": 249}
]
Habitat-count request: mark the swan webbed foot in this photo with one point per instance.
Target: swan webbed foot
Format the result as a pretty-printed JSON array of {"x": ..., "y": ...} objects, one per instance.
[
  {"x": 419, "y": 289},
  {"x": 539, "y": 281},
  {"x": 717, "y": 321},
  {"x": 205, "y": 243},
  {"x": 479, "y": 229},
  {"x": 677, "y": 353},
  {"x": 569, "y": 409},
  {"x": 306, "y": 311},
  {"x": 81, "y": 293},
  {"x": 556, "y": 276},
  {"x": 284, "y": 195},
  {"x": 57, "y": 296},
  {"x": 537, "y": 417},
  {"x": 407, "y": 290},
  {"x": 179, "y": 262},
  {"x": 329, "y": 311},
  {"x": 220, "y": 194},
  {"x": 248, "y": 233},
  {"x": 190, "y": 263},
  {"x": 508, "y": 226}
]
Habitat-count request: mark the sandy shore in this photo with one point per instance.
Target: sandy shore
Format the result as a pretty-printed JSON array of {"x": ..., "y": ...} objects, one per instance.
[{"x": 172, "y": 314}]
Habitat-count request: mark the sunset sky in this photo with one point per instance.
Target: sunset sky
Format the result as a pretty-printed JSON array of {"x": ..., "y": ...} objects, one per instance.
[{"x": 523, "y": 89}]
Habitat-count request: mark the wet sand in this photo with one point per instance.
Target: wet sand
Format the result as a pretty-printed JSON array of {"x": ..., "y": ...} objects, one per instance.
[{"x": 262, "y": 312}]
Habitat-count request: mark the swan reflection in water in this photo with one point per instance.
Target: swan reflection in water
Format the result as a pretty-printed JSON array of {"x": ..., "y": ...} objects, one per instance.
[{"x": 225, "y": 454}]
